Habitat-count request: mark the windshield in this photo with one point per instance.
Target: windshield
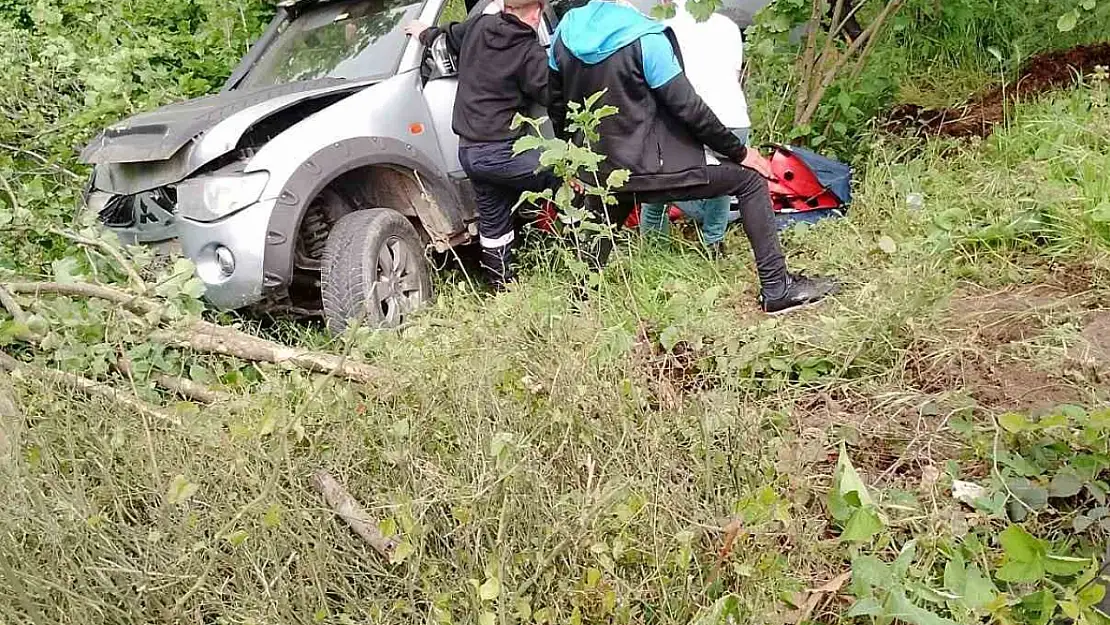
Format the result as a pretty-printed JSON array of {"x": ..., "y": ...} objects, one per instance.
[{"x": 355, "y": 39}]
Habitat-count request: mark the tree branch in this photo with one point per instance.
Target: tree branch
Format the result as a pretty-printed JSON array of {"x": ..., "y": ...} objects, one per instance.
[
  {"x": 348, "y": 509},
  {"x": 127, "y": 266},
  {"x": 134, "y": 303},
  {"x": 807, "y": 61},
  {"x": 90, "y": 388},
  {"x": 210, "y": 338},
  {"x": 8, "y": 301},
  {"x": 830, "y": 75},
  {"x": 181, "y": 386},
  {"x": 42, "y": 159}
]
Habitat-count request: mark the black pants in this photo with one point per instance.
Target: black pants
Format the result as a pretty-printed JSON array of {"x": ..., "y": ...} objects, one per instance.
[
  {"x": 755, "y": 208},
  {"x": 498, "y": 178}
]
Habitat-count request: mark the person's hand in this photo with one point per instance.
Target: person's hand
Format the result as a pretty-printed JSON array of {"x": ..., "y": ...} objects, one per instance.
[
  {"x": 754, "y": 161},
  {"x": 415, "y": 28}
]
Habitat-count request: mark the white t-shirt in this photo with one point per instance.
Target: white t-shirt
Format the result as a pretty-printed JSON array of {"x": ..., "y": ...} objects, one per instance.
[{"x": 712, "y": 55}]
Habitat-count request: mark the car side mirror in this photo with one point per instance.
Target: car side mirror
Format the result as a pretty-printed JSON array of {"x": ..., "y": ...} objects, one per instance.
[{"x": 439, "y": 60}]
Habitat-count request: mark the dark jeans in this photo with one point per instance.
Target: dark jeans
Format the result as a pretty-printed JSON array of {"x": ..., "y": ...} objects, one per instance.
[
  {"x": 755, "y": 207},
  {"x": 498, "y": 178}
]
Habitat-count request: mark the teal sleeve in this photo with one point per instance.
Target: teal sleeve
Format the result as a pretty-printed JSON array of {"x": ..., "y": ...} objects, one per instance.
[
  {"x": 551, "y": 62},
  {"x": 660, "y": 63}
]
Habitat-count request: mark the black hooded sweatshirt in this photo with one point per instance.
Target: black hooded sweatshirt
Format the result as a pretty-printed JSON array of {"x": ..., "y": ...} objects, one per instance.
[{"x": 502, "y": 70}]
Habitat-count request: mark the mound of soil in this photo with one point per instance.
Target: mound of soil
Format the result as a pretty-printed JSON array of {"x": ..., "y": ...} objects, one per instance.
[{"x": 1042, "y": 73}]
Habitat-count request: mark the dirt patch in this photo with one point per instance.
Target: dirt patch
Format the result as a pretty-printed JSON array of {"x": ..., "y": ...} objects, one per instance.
[
  {"x": 1093, "y": 349},
  {"x": 891, "y": 434},
  {"x": 1040, "y": 74},
  {"x": 970, "y": 352},
  {"x": 668, "y": 375}
]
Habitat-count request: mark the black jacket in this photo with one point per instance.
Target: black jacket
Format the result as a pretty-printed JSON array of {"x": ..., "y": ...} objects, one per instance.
[
  {"x": 657, "y": 134},
  {"x": 502, "y": 70}
]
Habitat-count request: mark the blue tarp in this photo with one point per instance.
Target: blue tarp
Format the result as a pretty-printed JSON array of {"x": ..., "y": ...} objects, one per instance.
[{"x": 833, "y": 175}]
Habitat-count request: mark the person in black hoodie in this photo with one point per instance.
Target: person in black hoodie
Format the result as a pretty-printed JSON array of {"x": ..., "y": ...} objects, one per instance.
[
  {"x": 659, "y": 131},
  {"x": 502, "y": 71}
]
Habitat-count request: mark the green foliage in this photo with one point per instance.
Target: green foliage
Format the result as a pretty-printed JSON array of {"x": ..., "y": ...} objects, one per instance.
[{"x": 71, "y": 67}]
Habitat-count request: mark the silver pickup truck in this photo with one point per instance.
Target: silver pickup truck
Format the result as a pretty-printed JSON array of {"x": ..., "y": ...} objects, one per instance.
[{"x": 320, "y": 175}]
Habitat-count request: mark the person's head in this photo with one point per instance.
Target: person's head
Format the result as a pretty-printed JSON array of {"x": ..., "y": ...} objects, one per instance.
[{"x": 527, "y": 11}]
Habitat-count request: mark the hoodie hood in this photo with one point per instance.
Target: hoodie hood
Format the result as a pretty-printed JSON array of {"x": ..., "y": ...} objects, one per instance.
[
  {"x": 594, "y": 32},
  {"x": 507, "y": 31}
]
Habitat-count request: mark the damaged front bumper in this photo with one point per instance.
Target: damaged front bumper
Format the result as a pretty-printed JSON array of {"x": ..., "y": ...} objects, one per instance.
[{"x": 226, "y": 244}]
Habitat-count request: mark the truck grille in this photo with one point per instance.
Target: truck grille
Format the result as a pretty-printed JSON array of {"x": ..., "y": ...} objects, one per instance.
[{"x": 125, "y": 211}]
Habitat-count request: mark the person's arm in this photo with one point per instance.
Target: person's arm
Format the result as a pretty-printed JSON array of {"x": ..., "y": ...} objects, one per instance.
[
  {"x": 455, "y": 32},
  {"x": 556, "y": 103},
  {"x": 533, "y": 74},
  {"x": 676, "y": 95}
]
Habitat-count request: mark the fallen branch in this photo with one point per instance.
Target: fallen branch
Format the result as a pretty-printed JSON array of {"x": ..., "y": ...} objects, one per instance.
[
  {"x": 353, "y": 514},
  {"x": 11, "y": 420},
  {"x": 12, "y": 306},
  {"x": 42, "y": 159},
  {"x": 130, "y": 301},
  {"x": 90, "y": 388},
  {"x": 210, "y": 338},
  {"x": 181, "y": 386},
  {"x": 105, "y": 248}
]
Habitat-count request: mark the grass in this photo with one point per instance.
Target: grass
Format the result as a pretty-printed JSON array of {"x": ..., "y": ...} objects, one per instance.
[{"x": 585, "y": 455}]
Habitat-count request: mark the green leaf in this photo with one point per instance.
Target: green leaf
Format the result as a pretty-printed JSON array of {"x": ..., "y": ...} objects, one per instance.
[
  {"x": 899, "y": 607},
  {"x": 490, "y": 590},
  {"x": 237, "y": 537},
  {"x": 669, "y": 337},
  {"x": 1025, "y": 555},
  {"x": 871, "y": 572},
  {"x": 723, "y": 611},
  {"x": 180, "y": 490},
  {"x": 906, "y": 556},
  {"x": 868, "y": 606},
  {"x": 863, "y": 524},
  {"x": 1065, "y": 484},
  {"x": 979, "y": 591},
  {"x": 1038, "y": 608},
  {"x": 1065, "y": 566},
  {"x": 848, "y": 492},
  {"x": 955, "y": 574},
  {"x": 1068, "y": 21},
  {"x": 1014, "y": 423},
  {"x": 487, "y": 618},
  {"x": 1091, "y": 595},
  {"x": 663, "y": 11},
  {"x": 1020, "y": 545},
  {"x": 402, "y": 552},
  {"x": 1021, "y": 572},
  {"x": 528, "y": 143},
  {"x": 272, "y": 518},
  {"x": 617, "y": 179}
]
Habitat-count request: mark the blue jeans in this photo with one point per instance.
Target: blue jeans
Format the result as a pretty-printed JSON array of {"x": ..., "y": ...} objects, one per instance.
[{"x": 712, "y": 214}]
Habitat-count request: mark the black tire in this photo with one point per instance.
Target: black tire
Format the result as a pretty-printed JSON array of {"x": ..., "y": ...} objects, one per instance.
[{"x": 374, "y": 270}]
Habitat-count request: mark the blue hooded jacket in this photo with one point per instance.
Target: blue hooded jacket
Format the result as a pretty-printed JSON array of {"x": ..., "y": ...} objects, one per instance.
[{"x": 594, "y": 32}]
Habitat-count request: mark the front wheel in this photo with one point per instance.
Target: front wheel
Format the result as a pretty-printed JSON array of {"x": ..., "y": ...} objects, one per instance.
[{"x": 373, "y": 270}]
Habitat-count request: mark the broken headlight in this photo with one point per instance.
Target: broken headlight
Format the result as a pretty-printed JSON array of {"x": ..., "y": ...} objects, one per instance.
[{"x": 209, "y": 198}]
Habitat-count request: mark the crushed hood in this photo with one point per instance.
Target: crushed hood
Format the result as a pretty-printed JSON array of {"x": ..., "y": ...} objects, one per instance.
[{"x": 159, "y": 134}]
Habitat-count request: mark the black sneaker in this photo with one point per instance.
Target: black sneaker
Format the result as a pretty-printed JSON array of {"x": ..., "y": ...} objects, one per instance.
[{"x": 800, "y": 291}]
